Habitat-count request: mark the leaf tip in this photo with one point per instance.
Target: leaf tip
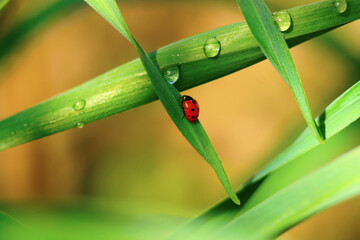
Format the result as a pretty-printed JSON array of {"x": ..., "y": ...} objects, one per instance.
[
  {"x": 234, "y": 198},
  {"x": 236, "y": 201},
  {"x": 319, "y": 136}
]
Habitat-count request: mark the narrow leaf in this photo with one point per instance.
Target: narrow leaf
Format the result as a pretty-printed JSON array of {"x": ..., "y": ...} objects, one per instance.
[
  {"x": 2, "y": 4},
  {"x": 22, "y": 28},
  {"x": 169, "y": 96},
  {"x": 331, "y": 184},
  {"x": 338, "y": 115},
  {"x": 273, "y": 45},
  {"x": 128, "y": 86}
]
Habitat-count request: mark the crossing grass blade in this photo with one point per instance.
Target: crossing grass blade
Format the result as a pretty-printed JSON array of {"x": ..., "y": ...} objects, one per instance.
[
  {"x": 128, "y": 85},
  {"x": 274, "y": 47},
  {"x": 169, "y": 96},
  {"x": 339, "y": 114}
]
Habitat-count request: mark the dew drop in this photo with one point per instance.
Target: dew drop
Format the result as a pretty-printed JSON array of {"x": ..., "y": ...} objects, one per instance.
[
  {"x": 13, "y": 133},
  {"x": 79, "y": 105},
  {"x": 25, "y": 125},
  {"x": 171, "y": 73},
  {"x": 282, "y": 19},
  {"x": 212, "y": 47},
  {"x": 80, "y": 124},
  {"x": 340, "y": 5}
]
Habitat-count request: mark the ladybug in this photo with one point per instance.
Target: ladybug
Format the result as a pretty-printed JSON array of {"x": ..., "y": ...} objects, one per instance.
[{"x": 191, "y": 108}]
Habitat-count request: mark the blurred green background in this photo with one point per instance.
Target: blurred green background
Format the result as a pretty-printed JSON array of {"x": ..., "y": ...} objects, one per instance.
[{"x": 135, "y": 168}]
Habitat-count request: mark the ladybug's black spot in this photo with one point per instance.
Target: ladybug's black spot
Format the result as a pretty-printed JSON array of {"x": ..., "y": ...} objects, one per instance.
[
  {"x": 192, "y": 109},
  {"x": 193, "y": 101},
  {"x": 192, "y": 117}
]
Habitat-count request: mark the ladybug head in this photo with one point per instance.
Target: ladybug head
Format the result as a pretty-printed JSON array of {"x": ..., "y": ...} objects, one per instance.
[{"x": 186, "y": 97}]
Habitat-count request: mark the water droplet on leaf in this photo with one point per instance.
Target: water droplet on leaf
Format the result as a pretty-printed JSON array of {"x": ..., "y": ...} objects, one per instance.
[
  {"x": 79, "y": 105},
  {"x": 212, "y": 47},
  {"x": 171, "y": 73},
  {"x": 80, "y": 124},
  {"x": 282, "y": 19},
  {"x": 340, "y": 5}
]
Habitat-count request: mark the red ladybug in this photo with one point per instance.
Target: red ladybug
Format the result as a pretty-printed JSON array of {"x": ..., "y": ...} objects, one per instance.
[{"x": 191, "y": 108}]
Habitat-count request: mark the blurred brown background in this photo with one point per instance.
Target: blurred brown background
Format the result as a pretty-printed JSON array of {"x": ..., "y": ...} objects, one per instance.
[{"x": 139, "y": 154}]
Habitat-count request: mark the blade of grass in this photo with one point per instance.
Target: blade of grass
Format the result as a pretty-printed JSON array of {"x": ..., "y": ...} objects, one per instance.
[
  {"x": 9, "y": 221},
  {"x": 273, "y": 45},
  {"x": 339, "y": 114},
  {"x": 333, "y": 183},
  {"x": 89, "y": 219},
  {"x": 17, "y": 34},
  {"x": 169, "y": 96},
  {"x": 2, "y": 4},
  {"x": 128, "y": 86},
  {"x": 330, "y": 185}
]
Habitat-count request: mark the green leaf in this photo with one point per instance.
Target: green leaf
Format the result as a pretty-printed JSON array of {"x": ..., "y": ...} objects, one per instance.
[
  {"x": 7, "y": 221},
  {"x": 21, "y": 29},
  {"x": 169, "y": 96},
  {"x": 331, "y": 184},
  {"x": 339, "y": 114},
  {"x": 128, "y": 86},
  {"x": 273, "y": 45}
]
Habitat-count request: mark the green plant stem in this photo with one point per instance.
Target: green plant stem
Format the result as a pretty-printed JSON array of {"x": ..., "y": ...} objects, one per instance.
[{"x": 128, "y": 86}]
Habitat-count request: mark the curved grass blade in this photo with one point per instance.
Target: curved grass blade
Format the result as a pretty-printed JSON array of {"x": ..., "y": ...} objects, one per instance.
[
  {"x": 273, "y": 45},
  {"x": 339, "y": 114},
  {"x": 169, "y": 96},
  {"x": 330, "y": 185},
  {"x": 128, "y": 85},
  {"x": 24, "y": 28}
]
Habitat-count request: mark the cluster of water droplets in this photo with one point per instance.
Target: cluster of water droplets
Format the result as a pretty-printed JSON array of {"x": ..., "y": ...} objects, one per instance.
[{"x": 211, "y": 49}]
